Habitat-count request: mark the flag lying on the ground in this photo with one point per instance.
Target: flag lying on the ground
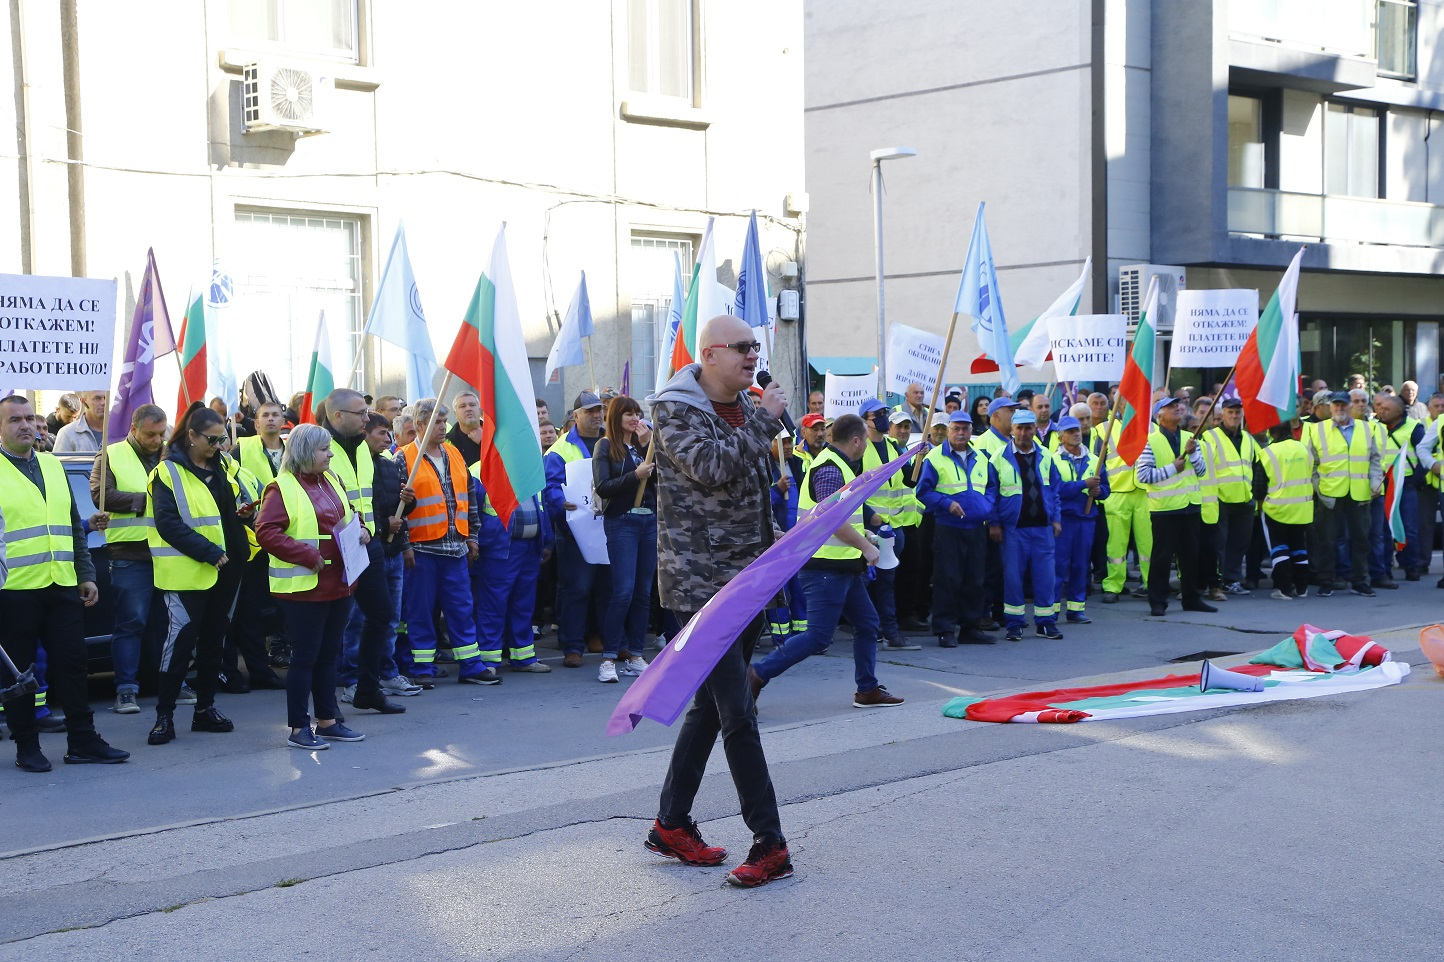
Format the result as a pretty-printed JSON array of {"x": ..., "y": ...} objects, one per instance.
[
  {"x": 978, "y": 298},
  {"x": 1268, "y": 365},
  {"x": 567, "y": 348},
  {"x": 1136, "y": 387},
  {"x": 150, "y": 337},
  {"x": 664, "y": 689},
  {"x": 1394, "y": 495},
  {"x": 1031, "y": 343},
  {"x": 489, "y": 353},
  {"x": 397, "y": 318},
  {"x": 321, "y": 380},
  {"x": 1359, "y": 664}
]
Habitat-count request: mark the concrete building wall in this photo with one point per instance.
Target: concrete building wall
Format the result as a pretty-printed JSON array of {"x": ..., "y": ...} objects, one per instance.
[{"x": 457, "y": 117}]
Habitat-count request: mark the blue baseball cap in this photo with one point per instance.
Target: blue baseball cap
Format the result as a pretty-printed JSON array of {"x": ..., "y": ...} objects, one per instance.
[
  {"x": 1068, "y": 423},
  {"x": 960, "y": 417},
  {"x": 1024, "y": 417},
  {"x": 1165, "y": 402},
  {"x": 870, "y": 405},
  {"x": 1001, "y": 403}
]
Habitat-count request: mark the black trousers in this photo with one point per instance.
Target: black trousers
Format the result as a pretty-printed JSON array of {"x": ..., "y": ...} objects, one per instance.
[
  {"x": 256, "y": 617},
  {"x": 1210, "y": 545},
  {"x": 1289, "y": 546},
  {"x": 198, "y": 624},
  {"x": 908, "y": 581},
  {"x": 1329, "y": 527},
  {"x": 959, "y": 555},
  {"x": 1174, "y": 536},
  {"x": 724, "y": 706},
  {"x": 924, "y": 596},
  {"x": 1100, "y": 544},
  {"x": 1235, "y": 522},
  {"x": 993, "y": 579},
  {"x": 315, "y": 629},
  {"x": 1428, "y": 508},
  {"x": 52, "y": 617},
  {"x": 373, "y": 597}
]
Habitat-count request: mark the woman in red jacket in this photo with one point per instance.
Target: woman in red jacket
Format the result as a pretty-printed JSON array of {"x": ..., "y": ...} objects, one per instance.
[{"x": 300, "y": 513}]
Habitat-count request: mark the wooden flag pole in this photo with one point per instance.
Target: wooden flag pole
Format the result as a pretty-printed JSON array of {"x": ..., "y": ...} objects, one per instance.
[
  {"x": 1209, "y": 413},
  {"x": 1111, "y": 424},
  {"x": 642, "y": 482},
  {"x": 422, "y": 441},
  {"x": 591, "y": 370},
  {"x": 937, "y": 386},
  {"x": 185, "y": 388},
  {"x": 104, "y": 452}
]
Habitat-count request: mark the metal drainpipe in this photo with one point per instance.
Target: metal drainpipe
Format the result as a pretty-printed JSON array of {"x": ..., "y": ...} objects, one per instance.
[
  {"x": 75, "y": 146},
  {"x": 29, "y": 247}
]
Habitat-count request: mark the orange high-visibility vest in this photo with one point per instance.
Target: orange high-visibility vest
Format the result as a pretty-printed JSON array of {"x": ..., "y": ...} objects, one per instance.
[{"x": 427, "y": 521}]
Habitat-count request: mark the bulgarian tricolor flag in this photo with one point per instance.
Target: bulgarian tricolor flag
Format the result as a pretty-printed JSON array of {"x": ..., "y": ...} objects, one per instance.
[
  {"x": 321, "y": 380},
  {"x": 490, "y": 355},
  {"x": 192, "y": 354},
  {"x": 1136, "y": 388},
  {"x": 1032, "y": 345},
  {"x": 1394, "y": 495},
  {"x": 1269, "y": 364},
  {"x": 705, "y": 300}
]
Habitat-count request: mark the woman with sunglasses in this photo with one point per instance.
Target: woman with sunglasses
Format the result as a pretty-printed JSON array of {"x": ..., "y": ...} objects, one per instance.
[{"x": 199, "y": 548}]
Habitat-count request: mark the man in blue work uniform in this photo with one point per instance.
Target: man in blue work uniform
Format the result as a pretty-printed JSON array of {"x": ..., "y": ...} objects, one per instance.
[
  {"x": 504, "y": 577},
  {"x": 1080, "y": 486},
  {"x": 578, "y": 582},
  {"x": 1026, "y": 522},
  {"x": 954, "y": 487},
  {"x": 989, "y": 443}
]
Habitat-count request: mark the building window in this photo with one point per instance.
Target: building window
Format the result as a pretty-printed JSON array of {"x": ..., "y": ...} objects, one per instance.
[
  {"x": 661, "y": 47},
  {"x": 1396, "y": 39},
  {"x": 653, "y": 270},
  {"x": 287, "y": 269},
  {"x": 1245, "y": 141},
  {"x": 317, "y": 28},
  {"x": 1351, "y": 151}
]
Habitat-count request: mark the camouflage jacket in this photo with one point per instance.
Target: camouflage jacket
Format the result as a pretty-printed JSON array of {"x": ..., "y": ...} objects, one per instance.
[{"x": 714, "y": 513}]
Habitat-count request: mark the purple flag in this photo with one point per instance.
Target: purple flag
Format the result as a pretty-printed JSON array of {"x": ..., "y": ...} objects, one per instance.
[
  {"x": 664, "y": 689},
  {"x": 150, "y": 337},
  {"x": 627, "y": 379}
]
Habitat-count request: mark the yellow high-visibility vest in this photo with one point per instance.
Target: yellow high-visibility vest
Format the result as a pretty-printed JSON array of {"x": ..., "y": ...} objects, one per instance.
[
  {"x": 130, "y": 477},
  {"x": 304, "y": 527},
  {"x": 39, "y": 542},
  {"x": 834, "y": 548}
]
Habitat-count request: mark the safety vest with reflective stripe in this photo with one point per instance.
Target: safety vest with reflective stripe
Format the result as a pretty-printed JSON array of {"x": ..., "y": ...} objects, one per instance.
[
  {"x": 1343, "y": 468},
  {"x": 248, "y": 491},
  {"x": 130, "y": 475},
  {"x": 1289, "y": 467},
  {"x": 1121, "y": 476},
  {"x": 1010, "y": 485},
  {"x": 834, "y": 548},
  {"x": 567, "y": 450},
  {"x": 427, "y": 521},
  {"x": 895, "y": 499},
  {"x": 1183, "y": 488},
  {"x": 287, "y": 578},
  {"x": 359, "y": 480},
  {"x": 951, "y": 478},
  {"x": 1230, "y": 468},
  {"x": 255, "y": 459},
  {"x": 989, "y": 443},
  {"x": 174, "y": 569},
  {"x": 39, "y": 542},
  {"x": 1399, "y": 438}
]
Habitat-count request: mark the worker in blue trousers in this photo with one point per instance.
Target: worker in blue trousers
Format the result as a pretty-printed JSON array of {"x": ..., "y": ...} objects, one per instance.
[
  {"x": 504, "y": 577},
  {"x": 1080, "y": 487},
  {"x": 1025, "y": 523}
]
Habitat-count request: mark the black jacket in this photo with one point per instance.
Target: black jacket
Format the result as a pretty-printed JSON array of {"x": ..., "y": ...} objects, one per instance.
[
  {"x": 189, "y": 541},
  {"x": 386, "y": 484},
  {"x": 617, "y": 480}
]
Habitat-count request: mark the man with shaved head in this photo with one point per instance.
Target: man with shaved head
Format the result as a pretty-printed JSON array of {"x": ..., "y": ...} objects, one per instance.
[{"x": 346, "y": 414}]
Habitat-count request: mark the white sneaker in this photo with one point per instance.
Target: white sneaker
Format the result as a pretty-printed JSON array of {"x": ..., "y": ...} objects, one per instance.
[
  {"x": 1280, "y": 596},
  {"x": 346, "y": 694},
  {"x": 187, "y": 696},
  {"x": 608, "y": 672},
  {"x": 398, "y": 686},
  {"x": 632, "y": 666}
]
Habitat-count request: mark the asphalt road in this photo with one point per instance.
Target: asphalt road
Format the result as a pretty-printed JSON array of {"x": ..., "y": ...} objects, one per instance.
[{"x": 510, "y": 826}]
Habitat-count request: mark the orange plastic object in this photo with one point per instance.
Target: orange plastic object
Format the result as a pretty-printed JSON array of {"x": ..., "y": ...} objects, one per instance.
[{"x": 1431, "y": 640}]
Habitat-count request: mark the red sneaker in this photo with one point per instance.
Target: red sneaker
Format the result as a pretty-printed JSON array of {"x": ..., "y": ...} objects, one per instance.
[
  {"x": 684, "y": 844},
  {"x": 767, "y": 862}
]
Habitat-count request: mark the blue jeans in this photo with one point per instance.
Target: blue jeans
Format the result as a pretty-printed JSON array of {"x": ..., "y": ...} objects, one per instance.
[
  {"x": 883, "y": 591},
  {"x": 1381, "y": 554},
  {"x": 632, "y": 550},
  {"x": 138, "y": 606},
  {"x": 346, "y": 662},
  {"x": 831, "y": 594}
]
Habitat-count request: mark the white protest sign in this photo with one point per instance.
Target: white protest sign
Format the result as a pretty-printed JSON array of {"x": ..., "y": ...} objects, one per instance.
[
  {"x": 585, "y": 524},
  {"x": 56, "y": 333},
  {"x": 1088, "y": 347},
  {"x": 913, "y": 357},
  {"x": 844, "y": 393},
  {"x": 1211, "y": 327}
]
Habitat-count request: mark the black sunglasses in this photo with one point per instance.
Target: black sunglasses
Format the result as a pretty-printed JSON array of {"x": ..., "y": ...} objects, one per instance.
[
  {"x": 215, "y": 440},
  {"x": 742, "y": 347}
]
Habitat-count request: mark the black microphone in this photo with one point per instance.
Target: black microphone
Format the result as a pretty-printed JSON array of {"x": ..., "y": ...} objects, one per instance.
[{"x": 764, "y": 379}]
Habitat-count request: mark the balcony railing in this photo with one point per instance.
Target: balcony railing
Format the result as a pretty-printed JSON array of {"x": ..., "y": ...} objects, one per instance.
[
  {"x": 1341, "y": 27},
  {"x": 1331, "y": 218}
]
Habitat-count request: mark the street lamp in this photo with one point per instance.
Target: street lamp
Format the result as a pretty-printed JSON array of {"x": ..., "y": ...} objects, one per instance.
[{"x": 878, "y": 156}]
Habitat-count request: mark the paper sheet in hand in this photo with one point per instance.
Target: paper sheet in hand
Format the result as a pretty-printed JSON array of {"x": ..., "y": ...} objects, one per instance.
[
  {"x": 585, "y": 524},
  {"x": 353, "y": 552}
]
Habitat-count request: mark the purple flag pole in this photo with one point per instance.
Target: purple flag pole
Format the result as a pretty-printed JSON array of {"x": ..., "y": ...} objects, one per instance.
[
  {"x": 150, "y": 337},
  {"x": 667, "y": 686}
]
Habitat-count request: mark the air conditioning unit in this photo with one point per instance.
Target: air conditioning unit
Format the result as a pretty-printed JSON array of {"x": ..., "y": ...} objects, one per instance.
[
  {"x": 285, "y": 96},
  {"x": 1133, "y": 281}
]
